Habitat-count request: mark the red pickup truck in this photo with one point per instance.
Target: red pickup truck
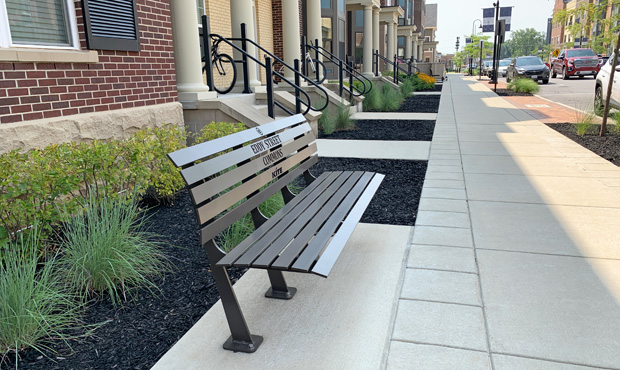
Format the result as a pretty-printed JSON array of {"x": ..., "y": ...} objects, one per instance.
[{"x": 575, "y": 62}]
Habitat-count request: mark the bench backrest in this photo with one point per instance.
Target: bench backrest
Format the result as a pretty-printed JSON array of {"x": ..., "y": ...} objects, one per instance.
[{"x": 225, "y": 176}]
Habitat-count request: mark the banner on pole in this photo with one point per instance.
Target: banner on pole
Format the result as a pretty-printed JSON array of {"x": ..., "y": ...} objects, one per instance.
[
  {"x": 487, "y": 19},
  {"x": 505, "y": 14}
]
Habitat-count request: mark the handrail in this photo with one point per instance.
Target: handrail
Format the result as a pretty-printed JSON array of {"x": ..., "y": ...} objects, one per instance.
[
  {"x": 297, "y": 74},
  {"x": 245, "y": 55},
  {"x": 396, "y": 66},
  {"x": 319, "y": 50}
]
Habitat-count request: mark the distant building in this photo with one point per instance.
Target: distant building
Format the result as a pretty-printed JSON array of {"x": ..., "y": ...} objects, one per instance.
[{"x": 430, "y": 45}]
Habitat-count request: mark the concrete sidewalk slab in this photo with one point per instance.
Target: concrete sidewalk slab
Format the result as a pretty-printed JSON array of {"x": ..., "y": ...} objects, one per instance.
[
  {"x": 502, "y": 362},
  {"x": 575, "y": 320},
  {"x": 429, "y": 93},
  {"x": 429, "y": 357},
  {"x": 341, "y": 322},
  {"x": 395, "y": 116},
  {"x": 452, "y": 325},
  {"x": 375, "y": 149},
  {"x": 441, "y": 286},
  {"x": 435, "y": 257}
]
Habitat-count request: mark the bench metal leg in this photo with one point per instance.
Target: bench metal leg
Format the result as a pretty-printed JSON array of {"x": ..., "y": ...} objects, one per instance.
[
  {"x": 240, "y": 340},
  {"x": 279, "y": 289}
]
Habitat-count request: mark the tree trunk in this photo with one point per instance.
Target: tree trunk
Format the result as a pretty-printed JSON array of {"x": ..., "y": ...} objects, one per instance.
[{"x": 609, "y": 86}]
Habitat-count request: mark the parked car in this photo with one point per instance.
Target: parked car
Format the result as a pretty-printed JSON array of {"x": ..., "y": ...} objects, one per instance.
[
  {"x": 503, "y": 64},
  {"x": 528, "y": 67},
  {"x": 602, "y": 83},
  {"x": 602, "y": 61},
  {"x": 487, "y": 68},
  {"x": 575, "y": 62}
]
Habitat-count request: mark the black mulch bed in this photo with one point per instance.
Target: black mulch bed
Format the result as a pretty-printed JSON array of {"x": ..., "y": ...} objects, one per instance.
[
  {"x": 396, "y": 201},
  {"x": 436, "y": 88},
  {"x": 421, "y": 104},
  {"x": 506, "y": 92},
  {"x": 137, "y": 335},
  {"x": 607, "y": 146},
  {"x": 397, "y": 130}
]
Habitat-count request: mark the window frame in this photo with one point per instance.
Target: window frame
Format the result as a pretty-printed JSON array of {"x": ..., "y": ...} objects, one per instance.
[{"x": 5, "y": 30}]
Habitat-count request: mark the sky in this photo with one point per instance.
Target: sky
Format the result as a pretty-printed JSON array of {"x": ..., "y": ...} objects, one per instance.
[{"x": 456, "y": 17}]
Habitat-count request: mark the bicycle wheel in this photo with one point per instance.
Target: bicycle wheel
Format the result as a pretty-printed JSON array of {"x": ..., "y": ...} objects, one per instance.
[
  {"x": 224, "y": 73},
  {"x": 317, "y": 64}
]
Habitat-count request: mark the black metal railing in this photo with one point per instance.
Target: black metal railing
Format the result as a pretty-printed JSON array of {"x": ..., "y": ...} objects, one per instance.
[
  {"x": 343, "y": 68},
  {"x": 267, "y": 65},
  {"x": 396, "y": 66}
]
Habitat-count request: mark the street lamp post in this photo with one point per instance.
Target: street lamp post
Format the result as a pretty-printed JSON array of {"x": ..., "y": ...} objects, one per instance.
[{"x": 473, "y": 28}]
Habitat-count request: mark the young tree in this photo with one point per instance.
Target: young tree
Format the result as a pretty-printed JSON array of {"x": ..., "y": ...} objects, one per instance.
[
  {"x": 590, "y": 19},
  {"x": 473, "y": 49}
]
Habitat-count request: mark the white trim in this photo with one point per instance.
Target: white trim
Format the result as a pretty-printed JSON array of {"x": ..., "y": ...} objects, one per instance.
[{"x": 5, "y": 31}]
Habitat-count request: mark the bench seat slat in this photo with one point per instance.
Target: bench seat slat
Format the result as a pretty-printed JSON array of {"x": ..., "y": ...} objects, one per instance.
[
  {"x": 209, "y": 231},
  {"x": 332, "y": 251},
  {"x": 289, "y": 211},
  {"x": 193, "y": 153},
  {"x": 331, "y": 214},
  {"x": 229, "y": 199},
  {"x": 208, "y": 189},
  {"x": 263, "y": 252},
  {"x": 202, "y": 170}
]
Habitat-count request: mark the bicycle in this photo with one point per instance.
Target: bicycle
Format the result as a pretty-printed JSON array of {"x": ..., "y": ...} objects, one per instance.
[
  {"x": 223, "y": 70},
  {"x": 311, "y": 62}
]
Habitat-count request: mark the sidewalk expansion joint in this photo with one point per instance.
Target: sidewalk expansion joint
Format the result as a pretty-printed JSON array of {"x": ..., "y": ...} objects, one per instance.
[
  {"x": 442, "y": 345},
  {"x": 443, "y": 270},
  {"x": 555, "y": 361},
  {"x": 550, "y": 254},
  {"x": 442, "y": 302}
]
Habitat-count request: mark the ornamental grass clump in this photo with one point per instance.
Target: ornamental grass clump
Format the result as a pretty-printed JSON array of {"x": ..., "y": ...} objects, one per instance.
[
  {"x": 35, "y": 306},
  {"x": 391, "y": 99},
  {"x": 372, "y": 100},
  {"x": 343, "y": 118},
  {"x": 406, "y": 88},
  {"x": 327, "y": 123},
  {"x": 106, "y": 250},
  {"x": 524, "y": 85}
]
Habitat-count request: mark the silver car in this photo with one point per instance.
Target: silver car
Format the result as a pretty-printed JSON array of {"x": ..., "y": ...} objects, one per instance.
[{"x": 503, "y": 65}]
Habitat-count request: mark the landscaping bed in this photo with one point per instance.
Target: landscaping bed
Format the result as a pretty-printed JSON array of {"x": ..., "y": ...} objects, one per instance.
[
  {"x": 138, "y": 334},
  {"x": 607, "y": 146},
  {"x": 396, "y": 201},
  {"x": 421, "y": 104},
  {"x": 397, "y": 130},
  {"x": 506, "y": 92}
]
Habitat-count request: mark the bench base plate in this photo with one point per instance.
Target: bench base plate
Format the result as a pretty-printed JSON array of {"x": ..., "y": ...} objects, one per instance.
[
  {"x": 280, "y": 294},
  {"x": 247, "y": 347}
]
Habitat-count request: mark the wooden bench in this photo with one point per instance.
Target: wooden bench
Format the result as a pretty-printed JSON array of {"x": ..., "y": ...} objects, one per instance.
[{"x": 231, "y": 176}]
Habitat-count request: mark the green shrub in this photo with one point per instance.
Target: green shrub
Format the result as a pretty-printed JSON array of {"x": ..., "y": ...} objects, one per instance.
[
  {"x": 34, "y": 304},
  {"x": 391, "y": 99},
  {"x": 524, "y": 85},
  {"x": 327, "y": 123},
  {"x": 105, "y": 250},
  {"x": 218, "y": 129},
  {"x": 34, "y": 184}
]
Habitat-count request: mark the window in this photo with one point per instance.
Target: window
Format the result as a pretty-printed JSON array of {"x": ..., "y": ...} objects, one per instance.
[
  {"x": 359, "y": 18},
  {"x": 326, "y": 4},
  {"x": 111, "y": 25},
  {"x": 341, "y": 6},
  {"x": 38, "y": 23},
  {"x": 200, "y": 7},
  {"x": 327, "y": 32}
]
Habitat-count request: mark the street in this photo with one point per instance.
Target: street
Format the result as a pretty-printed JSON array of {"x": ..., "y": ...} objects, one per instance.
[{"x": 576, "y": 92}]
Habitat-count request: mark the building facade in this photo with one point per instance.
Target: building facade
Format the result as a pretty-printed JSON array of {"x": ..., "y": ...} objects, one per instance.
[{"x": 71, "y": 71}]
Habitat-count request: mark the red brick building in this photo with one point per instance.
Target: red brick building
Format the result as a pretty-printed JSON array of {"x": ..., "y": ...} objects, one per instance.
[{"x": 62, "y": 61}]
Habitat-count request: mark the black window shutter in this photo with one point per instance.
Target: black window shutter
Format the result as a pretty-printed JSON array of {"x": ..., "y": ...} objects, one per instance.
[{"x": 111, "y": 24}]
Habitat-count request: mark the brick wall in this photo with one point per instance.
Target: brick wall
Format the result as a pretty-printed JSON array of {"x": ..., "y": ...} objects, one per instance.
[
  {"x": 266, "y": 34},
  {"x": 121, "y": 79}
]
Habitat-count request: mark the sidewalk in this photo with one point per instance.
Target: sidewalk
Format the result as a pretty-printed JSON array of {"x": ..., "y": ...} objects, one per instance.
[
  {"x": 515, "y": 260},
  {"x": 514, "y": 263}
]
